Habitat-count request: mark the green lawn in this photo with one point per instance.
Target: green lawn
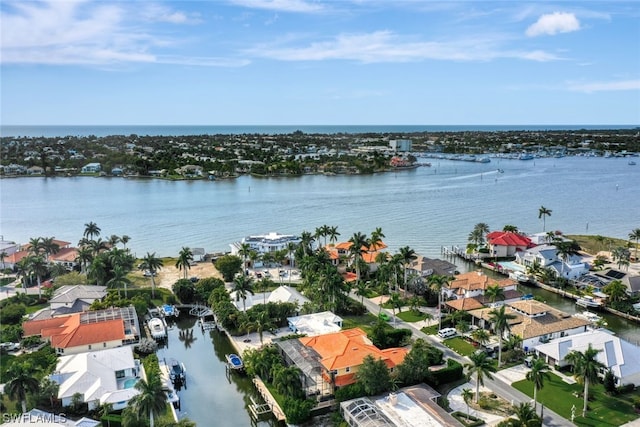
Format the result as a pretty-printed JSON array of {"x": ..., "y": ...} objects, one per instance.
[
  {"x": 430, "y": 330},
  {"x": 604, "y": 410},
  {"x": 33, "y": 308},
  {"x": 460, "y": 346},
  {"x": 365, "y": 322},
  {"x": 411, "y": 316}
]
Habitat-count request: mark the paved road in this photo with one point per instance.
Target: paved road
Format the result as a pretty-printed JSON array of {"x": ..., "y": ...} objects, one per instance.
[{"x": 496, "y": 385}]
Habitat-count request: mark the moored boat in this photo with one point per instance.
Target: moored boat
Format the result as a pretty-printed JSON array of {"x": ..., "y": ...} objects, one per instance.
[
  {"x": 157, "y": 328},
  {"x": 234, "y": 361},
  {"x": 591, "y": 317},
  {"x": 177, "y": 371},
  {"x": 588, "y": 301}
]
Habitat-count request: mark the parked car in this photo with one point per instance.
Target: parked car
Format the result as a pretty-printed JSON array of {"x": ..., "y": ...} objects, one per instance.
[
  {"x": 384, "y": 316},
  {"x": 147, "y": 273},
  {"x": 447, "y": 332},
  {"x": 10, "y": 346}
]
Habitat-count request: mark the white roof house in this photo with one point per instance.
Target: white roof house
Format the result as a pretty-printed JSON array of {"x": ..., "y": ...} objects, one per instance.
[
  {"x": 283, "y": 293},
  {"x": 622, "y": 357},
  {"x": 315, "y": 324},
  {"x": 264, "y": 243},
  {"x": 105, "y": 376}
]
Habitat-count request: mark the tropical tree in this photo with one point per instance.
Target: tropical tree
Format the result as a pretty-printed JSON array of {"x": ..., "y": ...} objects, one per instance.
[
  {"x": 525, "y": 416},
  {"x": 585, "y": 369},
  {"x": 49, "y": 247},
  {"x": 375, "y": 241},
  {"x": 494, "y": 292},
  {"x": 362, "y": 290},
  {"x": 21, "y": 381},
  {"x": 480, "y": 366},
  {"x": 261, "y": 323},
  {"x": 467, "y": 395},
  {"x": 243, "y": 285},
  {"x": 91, "y": 230},
  {"x": 373, "y": 375},
  {"x": 537, "y": 375},
  {"x": 244, "y": 252},
  {"x": 500, "y": 319},
  {"x": 544, "y": 213},
  {"x": 38, "y": 267},
  {"x": 565, "y": 250},
  {"x": 510, "y": 228},
  {"x": 616, "y": 290},
  {"x": 185, "y": 257},
  {"x": 359, "y": 244},
  {"x": 436, "y": 283},
  {"x": 151, "y": 400},
  {"x": 407, "y": 255},
  {"x": 622, "y": 255},
  {"x": 84, "y": 258},
  {"x": 152, "y": 264},
  {"x": 635, "y": 235},
  {"x": 287, "y": 381},
  {"x": 124, "y": 240},
  {"x": 481, "y": 336},
  {"x": 119, "y": 278},
  {"x": 333, "y": 234},
  {"x": 396, "y": 302}
]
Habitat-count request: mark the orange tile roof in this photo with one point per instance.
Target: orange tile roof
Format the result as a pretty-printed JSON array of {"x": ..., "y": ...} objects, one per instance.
[
  {"x": 476, "y": 280},
  {"x": 347, "y": 246},
  {"x": 65, "y": 254},
  {"x": 464, "y": 304},
  {"x": 343, "y": 245},
  {"x": 16, "y": 257},
  {"x": 349, "y": 276},
  {"x": 67, "y": 331},
  {"x": 348, "y": 348}
]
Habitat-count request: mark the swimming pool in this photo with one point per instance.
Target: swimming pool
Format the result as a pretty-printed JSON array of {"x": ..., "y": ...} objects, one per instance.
[
  {"x": 510, "y": 265},
  {"x": 130, "y": 382}
]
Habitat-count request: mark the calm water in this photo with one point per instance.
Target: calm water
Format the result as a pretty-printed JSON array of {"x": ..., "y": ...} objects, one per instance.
[{"x": 211, "y": 397}]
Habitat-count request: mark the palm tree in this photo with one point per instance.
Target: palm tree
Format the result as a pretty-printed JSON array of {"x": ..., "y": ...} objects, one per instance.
[
  {"x": 544, "y": 213},
  {"x": 21, "y": 381},
  {"x": 98, "y": 270},
  {"x": 622, "y": 255},
  {"x": 84, "y": 258},
  {"x": 49, "y": 246},
  {"x": 526, "y": 416},
  {"x": 151, "y": 401},
  {"x": 152, "y": 264},
  {"x": 585, "y": 369},
  {"x": 635, "y": 235},
  {"x": 510, "y": 228},
  {"x": 38, "y": 267},
  {"x": 184, "y": 260},
  {"x": 362, "y": 290},
  {"x": 482, "y": 228},
  {"x": 91, "y": 230},
  {"x": 287, "y": 381},
  {"x": 359, "y": 244},
  {"x": 376, "y": 239},
  {"x": 482, "y": 367},
  {"x": 500, "y": 319},
  {"x": 467, "y": 395},
  {"x": 408, "y": 255},
  {"x": 243, "y": 285},
  {"x": 396, "y": 302},
  {"x": 333, "y": 234},
  {"x": 261, "y": 323},
  {"x": 119, "y": 279},
  {"x": 494, "y": 292},
  {"x": 565, "y": 250},
  {"x": 306, "y": 241},
  {"x": 436, "y": 283},
  {"x": 244, "y": 252},
  {"x": 537, "y": 375},
  {"x": 113, "y": 240},
  {"x": 616, "y": 290},
  {"x": 35, "y": 245},
  {"x": 124, "y": 240},
  {"x": 3, "y": 255},
  {"x": 481, "y": 336}
]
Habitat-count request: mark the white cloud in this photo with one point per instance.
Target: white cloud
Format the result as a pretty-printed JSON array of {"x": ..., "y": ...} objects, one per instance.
[
  {"x": 620, "y": 85},
  {"x": 87, "y": 33},
  {"x": 385, "y": 46},
  {"x": 554, "y": 23},
  {"x": 281, "y": 5}
]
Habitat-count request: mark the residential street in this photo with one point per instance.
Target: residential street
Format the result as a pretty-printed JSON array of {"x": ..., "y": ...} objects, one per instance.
[{"x": 497, "y": 385}]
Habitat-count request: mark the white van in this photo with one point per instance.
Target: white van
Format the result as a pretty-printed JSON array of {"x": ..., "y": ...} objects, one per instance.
[{"x": 446, "y": 332}]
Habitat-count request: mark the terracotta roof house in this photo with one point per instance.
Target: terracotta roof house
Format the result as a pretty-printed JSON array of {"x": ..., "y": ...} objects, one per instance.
[
  {"x": 475, "y": 283},
  {"x": 506, "y": 243},
  {"x": 104, "y": 376},
  {"x": 618, "y": 355},
  {"x": 342, "y": 250},
  {"x": 535, "y": 322},
  {"x": 87, "y": 331},
  {"x": 331, "y": 360},
  {"x": 66, "y": 257}
]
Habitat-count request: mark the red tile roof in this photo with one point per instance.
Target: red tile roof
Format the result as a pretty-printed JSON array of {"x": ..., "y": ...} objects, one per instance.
[
  {"x": 477, "y": 280},
  {"x": 464, "y": 304},
  {"x": 67, "y": 331},
  {"x": 507, "y": 238},
  {"x": 65, "y": 254}
]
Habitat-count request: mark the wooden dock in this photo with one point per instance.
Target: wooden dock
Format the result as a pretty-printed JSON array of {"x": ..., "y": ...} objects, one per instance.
[{"x": 271, "y": 402}]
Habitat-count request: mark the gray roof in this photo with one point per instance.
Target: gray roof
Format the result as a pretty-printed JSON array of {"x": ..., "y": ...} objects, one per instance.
[{"x": 68, "y": 293}]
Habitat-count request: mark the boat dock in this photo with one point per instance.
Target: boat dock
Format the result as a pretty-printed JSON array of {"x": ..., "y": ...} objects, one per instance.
[
  {"x": 462, "y": 253},
  {"x": 268, "y": 398}
]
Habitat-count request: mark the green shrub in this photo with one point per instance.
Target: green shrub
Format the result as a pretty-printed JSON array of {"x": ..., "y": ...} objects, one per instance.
[
  {"x": 297, "y": 411},
  {"x": 453, "y": 372},
  {"x": 469, "y": 422},
  {"x": 12, "y": 314},
  {"x": 351, "y": 391}
]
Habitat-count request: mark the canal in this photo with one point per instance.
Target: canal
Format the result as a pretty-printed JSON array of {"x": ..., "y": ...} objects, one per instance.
[{"x": 212, "y": 396}]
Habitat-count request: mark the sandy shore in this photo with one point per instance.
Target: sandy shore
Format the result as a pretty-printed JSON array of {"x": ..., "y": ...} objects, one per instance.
[{"x": 170, "y": 274}]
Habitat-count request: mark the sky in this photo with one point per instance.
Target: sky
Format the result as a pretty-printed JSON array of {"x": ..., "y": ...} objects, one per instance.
[{"x": 315, "y": 62}]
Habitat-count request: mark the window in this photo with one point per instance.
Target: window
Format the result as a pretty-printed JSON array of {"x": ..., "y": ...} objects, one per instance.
[
  {"x": 104, "y": 344},
  {"x": 120, "y": 374},
  {"x": 347, "y": 369},
  {"x": 89, "y": 346}
]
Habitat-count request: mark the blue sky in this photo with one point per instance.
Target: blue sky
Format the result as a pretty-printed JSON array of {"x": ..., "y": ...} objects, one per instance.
[{"x": 311, "y": 62}]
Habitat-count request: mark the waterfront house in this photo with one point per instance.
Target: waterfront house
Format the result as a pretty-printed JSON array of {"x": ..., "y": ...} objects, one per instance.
[
  {"x": 330, "y": 361},
  {"x": 266, "y": 243},
  {"x": 281, "y": 294},
  {"x": 546, "y": 256},
  {"x": 425, "y": 267},
  {"x": 91, "y": 168},
  {"x": 342, "y": 251},
  {"x": 535, "y": 322},
  {"x": 99, "y": 377},
  {"x": 87, "y": 331},
  {"x": 475, "y": 283},
  {"x": 504, "y": 244},
  {"x": 618, "y": 355},
  {"x": 315, "y": 323},
  {"x": 72, "y": 299},
  {"x": 66, "y": 256}
]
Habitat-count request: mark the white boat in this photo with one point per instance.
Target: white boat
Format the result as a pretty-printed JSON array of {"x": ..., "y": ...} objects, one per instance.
[
  {"x": 588, "y": 301},
  {"x": 177, "y": 371},
  {"x": 157, "y": 328},
  {"x": 235, "y": 362},
  {"x": 169, "y": 310},
  {"x": 591, "y": 317}
]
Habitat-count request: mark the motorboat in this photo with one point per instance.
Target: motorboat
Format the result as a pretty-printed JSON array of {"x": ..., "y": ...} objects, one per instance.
[
  {"x": 157, "y": 328},
  {"x": 632, "y": 163},
  {"x": 169, "y": 310},
  {"x": 177, "y": 371},
  {"x": 591, "y": 317},
  {"x": 588, "y": 301},
  {"x": 234, "y": 361}
]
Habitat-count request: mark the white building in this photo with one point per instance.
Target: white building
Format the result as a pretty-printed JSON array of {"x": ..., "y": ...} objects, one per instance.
[
  {"x": 91, "y": 168},
  {"x": 547, "y": 257},
  {"x": 105, "y": 376},
  {"x": 622, "y": 357},
  {"x": 266, "y": 243},
  {"x": 315, "y": 324},
  {"x": 282, "y": 293},
  {"x": 400, "y": 145}
]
